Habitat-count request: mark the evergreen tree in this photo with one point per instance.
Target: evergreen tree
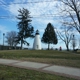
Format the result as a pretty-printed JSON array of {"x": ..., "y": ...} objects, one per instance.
[
  {"x": 49, "y": 36},
  {"x": 25, "y": 28}
]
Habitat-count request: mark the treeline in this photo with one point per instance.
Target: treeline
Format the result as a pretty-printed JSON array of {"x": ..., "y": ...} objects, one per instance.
[{"x": 8, "y": 47}]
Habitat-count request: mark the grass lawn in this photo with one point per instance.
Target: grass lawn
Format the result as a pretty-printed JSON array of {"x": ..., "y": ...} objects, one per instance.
[
  {"x": 44, "y": 56},
  {"x": 11, "y": 73}
]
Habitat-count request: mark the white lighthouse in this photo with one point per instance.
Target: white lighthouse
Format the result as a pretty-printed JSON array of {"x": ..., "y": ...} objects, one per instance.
[{"x": 37, "y": 41}]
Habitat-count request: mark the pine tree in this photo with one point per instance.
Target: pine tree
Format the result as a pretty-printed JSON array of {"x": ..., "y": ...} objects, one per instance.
[
  {"x": 49, "y": 36},
  {"x": 24, "y": 25}
]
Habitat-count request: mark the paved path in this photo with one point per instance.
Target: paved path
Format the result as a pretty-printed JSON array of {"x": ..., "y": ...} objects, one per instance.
[{"x": 48, "y": 68}]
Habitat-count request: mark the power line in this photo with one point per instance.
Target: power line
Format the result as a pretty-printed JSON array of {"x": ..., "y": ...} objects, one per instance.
[
  {"x": 27, "y": 2},
  {"x": 3, "y": 17},
  {"x": 34, "y": 16}
]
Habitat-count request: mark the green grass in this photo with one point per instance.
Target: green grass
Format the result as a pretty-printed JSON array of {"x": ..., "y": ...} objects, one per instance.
[
  {"x": 44, "y": 56},
  {"x": 11, "y": 73},
  {"x": 78, "y": 51}
]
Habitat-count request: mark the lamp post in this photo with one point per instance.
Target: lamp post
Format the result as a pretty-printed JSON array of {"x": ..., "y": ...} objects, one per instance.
[{"x": 3, "y": 38}]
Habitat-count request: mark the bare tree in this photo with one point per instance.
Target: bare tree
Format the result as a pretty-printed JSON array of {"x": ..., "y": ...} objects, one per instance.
[
  {"x": 71, "y": 11},
  {"x": 79, "y": 44},
  {"x": 10, "y": 38},
  {"x": 65, "y": 35}
]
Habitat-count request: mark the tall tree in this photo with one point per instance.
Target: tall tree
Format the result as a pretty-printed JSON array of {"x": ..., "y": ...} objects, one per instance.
[
  {"x": 24, "y": 25},
  {"x": 71, "y": 11},
  {"x": 10, "y": 38},
  {"x": 49, "y": 36}
]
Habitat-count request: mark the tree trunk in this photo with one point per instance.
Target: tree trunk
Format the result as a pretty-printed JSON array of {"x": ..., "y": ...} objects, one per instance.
[
  {"x": 48, "y": 45},
  {"x": 67, "y": 47},
  {"x": 21, "y": 43}
]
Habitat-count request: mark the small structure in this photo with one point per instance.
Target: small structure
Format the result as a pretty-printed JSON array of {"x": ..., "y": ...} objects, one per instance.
[{"x": 37, "y": 41}]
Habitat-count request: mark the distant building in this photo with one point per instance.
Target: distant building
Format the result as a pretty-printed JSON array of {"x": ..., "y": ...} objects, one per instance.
[{"x": 37, "y": 41}]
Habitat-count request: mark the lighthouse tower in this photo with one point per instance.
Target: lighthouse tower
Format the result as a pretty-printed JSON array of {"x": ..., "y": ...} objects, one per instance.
[{"x": 37, "y": 41}]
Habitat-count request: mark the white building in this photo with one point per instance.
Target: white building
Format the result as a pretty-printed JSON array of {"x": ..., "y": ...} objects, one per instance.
[{"x": 37, "y": 41}]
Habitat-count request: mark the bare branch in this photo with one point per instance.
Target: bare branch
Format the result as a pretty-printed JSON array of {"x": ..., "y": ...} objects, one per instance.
[{"x": 73, "y": 9}]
